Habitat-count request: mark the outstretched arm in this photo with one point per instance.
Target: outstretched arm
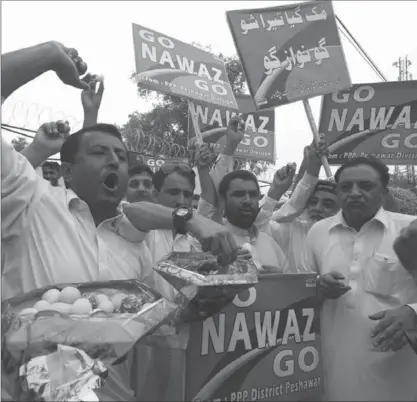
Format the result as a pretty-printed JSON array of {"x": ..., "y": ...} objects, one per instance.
[
  {"x": 24, "y": 65},
  {"x": 305, "y": 188},
  {"x": 204, "y": 159},
  {"x": 146, "y": 216}
]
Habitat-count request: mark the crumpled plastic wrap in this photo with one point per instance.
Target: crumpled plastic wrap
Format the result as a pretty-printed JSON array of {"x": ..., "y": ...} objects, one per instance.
[
  {"x": 199, "y": 277},
  {"x": 68, "y": 374},
  {"x": 97, "y": 339}
]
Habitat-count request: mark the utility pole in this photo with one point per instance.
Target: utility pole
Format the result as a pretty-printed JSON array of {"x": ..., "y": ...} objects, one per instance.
[{"x": 403, "y": 75}]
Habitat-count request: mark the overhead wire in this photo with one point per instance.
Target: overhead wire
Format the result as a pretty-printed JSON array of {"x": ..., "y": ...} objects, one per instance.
[
  {"x": 17, "y": 132},
  {"x": 7, "y": 128},
  {"x": 18, "y": 128},
  {"x": 348, "y": 35}
]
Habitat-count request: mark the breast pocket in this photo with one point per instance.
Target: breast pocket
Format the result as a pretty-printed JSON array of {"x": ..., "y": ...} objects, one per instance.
[{"x": 384, "y": 276}]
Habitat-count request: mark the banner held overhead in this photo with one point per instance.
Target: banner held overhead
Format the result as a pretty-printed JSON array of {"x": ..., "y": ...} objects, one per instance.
[
  {"x": 289, "y": 53},
  {"x": 259, "y": 127},
  {"x": 377, "y": 119},
  {"x": 168, "y": 65}
]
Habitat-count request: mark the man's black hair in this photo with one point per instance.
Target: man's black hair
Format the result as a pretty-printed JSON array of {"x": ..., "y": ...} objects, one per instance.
[
  {"x": 52, "y": 165},
  {"x": 237, "y": 174},
  {"x": 139, "y": 169},
  {"x": 326, "y": 185},
  {"x": 72, "y": 144},
  {"x": 160, "y": 176},
  {"x": 371, "y": 161}
]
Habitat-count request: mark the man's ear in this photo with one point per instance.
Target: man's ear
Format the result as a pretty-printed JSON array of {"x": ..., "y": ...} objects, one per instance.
[
  {"x": 155, "y": 193},
  {"x": 66, "y": 170}
]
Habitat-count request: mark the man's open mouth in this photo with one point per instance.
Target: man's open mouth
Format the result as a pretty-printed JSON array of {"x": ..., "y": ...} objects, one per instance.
[{"x": 111, "y": 182}]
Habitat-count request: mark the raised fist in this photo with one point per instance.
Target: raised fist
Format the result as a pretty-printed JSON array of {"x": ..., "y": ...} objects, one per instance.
[
  {"x": 235, "y": 130},
  {"x": 68, "y": 65},
  {"x": 284, "y": 176},
  {"x": 50, "y": 137},
  {"x": 203, "y": 156}
]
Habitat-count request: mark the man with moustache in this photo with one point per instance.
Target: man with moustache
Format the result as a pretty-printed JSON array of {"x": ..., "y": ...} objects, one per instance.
[
  {"x": 369, "y": 297},
  {"x": 140, "y": 184},
  {"x": 318, "y": 199},
  {"x": 54, "y": 235},
  {"x": 239, "y": 196}
]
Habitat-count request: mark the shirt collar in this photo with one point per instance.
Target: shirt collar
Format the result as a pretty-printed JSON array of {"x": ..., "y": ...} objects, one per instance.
[
  {"x": 252, "y": 232},
  {"x": 381, "y": 216},
  {"x": 72, "y": 199}
]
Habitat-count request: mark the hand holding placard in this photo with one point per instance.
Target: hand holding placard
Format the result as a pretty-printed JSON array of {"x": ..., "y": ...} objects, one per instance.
[{"x": 316, "y": 135}]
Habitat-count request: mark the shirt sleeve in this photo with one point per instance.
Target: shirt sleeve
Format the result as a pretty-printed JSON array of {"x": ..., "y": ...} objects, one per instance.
[
  {"x": 222, "y": 167},
  {"x": 264, "y": 216},
  {"x": 310, "y": 262},
  {"x": 209, "y": 211},
  {"x": 280, "y": 233},
  {"x": 21, "y": 191},
  {"x": 297, "y": 203}
]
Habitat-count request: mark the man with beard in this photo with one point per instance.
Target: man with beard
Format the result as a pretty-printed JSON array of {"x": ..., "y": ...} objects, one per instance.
[
  {"x": 54, "y": 235},
  {"x": 370, "y": 300},
  {"x": 292, "y": 235},
  {"x": 311, "y": 200},
  {"x": 239, "y": 196}
]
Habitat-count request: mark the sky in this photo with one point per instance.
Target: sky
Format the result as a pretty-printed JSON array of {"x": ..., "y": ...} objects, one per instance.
[{"x": 102, "y": 33}]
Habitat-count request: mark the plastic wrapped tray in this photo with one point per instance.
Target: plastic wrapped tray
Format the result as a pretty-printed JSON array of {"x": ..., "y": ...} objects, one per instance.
[
  {"x": 199, "y": 276},
  {"x": 105, "y": 338}
]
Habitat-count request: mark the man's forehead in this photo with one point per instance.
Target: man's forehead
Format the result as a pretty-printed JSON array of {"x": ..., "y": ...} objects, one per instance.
[
  {"x": 102, "y": 138},
  {"x": 241, "y": 184},
  {"x": 141, "y": 176},
  {"x": 176, "y": 181},
  {"x": 359, "y": 173},
  {"x": 324, "y": 195}
]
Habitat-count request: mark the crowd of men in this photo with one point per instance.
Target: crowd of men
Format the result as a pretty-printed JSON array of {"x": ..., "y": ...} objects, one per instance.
[{"x": 111, "y": 221}]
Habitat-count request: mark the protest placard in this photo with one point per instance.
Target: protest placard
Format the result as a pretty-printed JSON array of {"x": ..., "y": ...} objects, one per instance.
[
  {"x": 135, "y": 158},
  {"x": 378, "y": 119},
  {"x": 168, "y": 65},
  {"x": 265, "y": 346},
  {"x": 259, "y": 127},
  {"x": 289, "y": 52}
]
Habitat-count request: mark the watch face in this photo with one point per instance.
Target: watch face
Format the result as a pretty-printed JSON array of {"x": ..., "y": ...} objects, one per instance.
[{"x": 182, "y": 212}]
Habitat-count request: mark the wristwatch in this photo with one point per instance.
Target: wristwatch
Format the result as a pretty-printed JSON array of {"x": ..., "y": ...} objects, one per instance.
[{"x": 181, "y": 217}]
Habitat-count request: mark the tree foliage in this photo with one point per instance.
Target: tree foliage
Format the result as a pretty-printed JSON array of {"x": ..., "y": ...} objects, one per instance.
[
  {"x": 167, "y": 121},
  {"x": 406, "y": 199},
  {"x": 19, "y": 143}
]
